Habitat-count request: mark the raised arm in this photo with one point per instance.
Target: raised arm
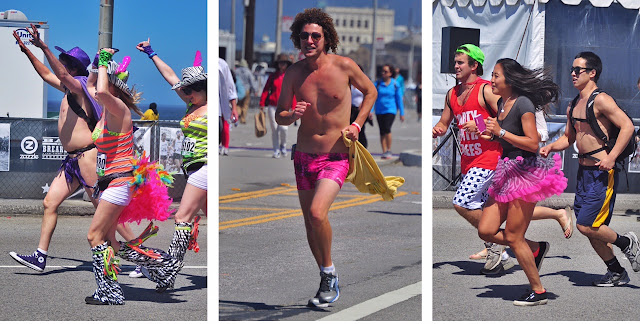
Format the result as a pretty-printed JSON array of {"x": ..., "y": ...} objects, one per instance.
[
  {"x": 58, "y": 68},
  {"x": 165, "y": 70},
  {"x": 40, "y": 68},
  {"x": 110, "y": 103}
]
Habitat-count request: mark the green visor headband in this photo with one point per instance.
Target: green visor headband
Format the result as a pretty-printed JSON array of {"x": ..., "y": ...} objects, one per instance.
[{"x": 473, "y": 51}]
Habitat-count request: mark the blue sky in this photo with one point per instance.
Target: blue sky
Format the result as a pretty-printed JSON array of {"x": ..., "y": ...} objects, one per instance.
[
  {"x": 266, "y": 14},
  {"x": 176, "y": 28}
]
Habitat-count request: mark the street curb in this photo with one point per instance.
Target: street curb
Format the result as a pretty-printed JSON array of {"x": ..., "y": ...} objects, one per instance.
[
  {"x": 411, "y": 158},
  {"x": 34, "y": 207}
]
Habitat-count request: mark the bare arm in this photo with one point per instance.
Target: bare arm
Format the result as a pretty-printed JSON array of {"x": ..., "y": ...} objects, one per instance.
[
  {"x": 361, "y": 82},
  {"x": 114, "y": 105},
  {"x": 563, "y": 142},
  {"x": 445, "y": 119},
  {"x": 528, "y": 142},
  {"x": 40, "y": 68},
  {"x": 60, "y": 71},
  {"x": 608, "y": 107},
  {"x": 492, "y": 99},
  {"x": 165, "y": 70},
  {"x": 284, "y": 114}
]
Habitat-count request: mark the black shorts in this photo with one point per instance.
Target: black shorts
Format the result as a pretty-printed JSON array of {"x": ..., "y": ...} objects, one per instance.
[{"x": 384, "y": 122}]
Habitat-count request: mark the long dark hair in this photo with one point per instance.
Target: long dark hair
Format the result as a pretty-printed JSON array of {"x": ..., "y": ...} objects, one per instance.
[{"x": 536, "y": 84}]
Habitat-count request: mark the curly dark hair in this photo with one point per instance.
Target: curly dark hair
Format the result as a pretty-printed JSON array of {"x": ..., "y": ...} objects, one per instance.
[{"x": 321, "y": 18}]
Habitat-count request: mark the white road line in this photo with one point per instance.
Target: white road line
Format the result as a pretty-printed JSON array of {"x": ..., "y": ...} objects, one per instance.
[
  {"x": 373, "y": 305},
  {"x": 90, "y": 267}
]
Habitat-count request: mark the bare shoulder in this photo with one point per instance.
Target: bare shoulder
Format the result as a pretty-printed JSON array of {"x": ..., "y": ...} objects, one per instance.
[
  {"x": 604, "y": 102},
  {"x": 342, "y": 62}
]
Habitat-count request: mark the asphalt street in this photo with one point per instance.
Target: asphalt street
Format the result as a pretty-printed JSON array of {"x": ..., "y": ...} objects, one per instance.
[
  {"x": 58, "y": 293},
  {"x": 266, "y": 270},
  {"x": 460, "y": 292}
]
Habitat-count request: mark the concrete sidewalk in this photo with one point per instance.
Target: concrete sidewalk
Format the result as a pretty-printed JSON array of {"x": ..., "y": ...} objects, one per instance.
[
  {"x": 33, "y": 207},
  {"x": 628, "y": 204}
]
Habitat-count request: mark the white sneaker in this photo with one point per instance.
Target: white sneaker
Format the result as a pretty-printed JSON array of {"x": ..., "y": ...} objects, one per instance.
[
  {"x": 283, "y": 151},
  {"x": 276, "y": 155},
  {"x": 225, "y": 151},
  {"x": 137, "y": 273}
]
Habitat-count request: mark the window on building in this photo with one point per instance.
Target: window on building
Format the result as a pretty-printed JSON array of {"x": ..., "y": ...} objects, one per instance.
[
  {"x": 344, "y": 23},
  {"x": 359, "y": 23},
  {"x": 351, "y": 25},
  {"x": 366, "y": 24},
  {"x": 358, "y": 39},
  {"x": 337, "y": 22},
  {"x": 350, "y": 39}
]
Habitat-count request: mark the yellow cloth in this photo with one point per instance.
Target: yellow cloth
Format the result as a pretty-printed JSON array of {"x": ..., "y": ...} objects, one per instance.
[
  {"x": 365, "y": 174},
  {"x": 149, "y": 115}
]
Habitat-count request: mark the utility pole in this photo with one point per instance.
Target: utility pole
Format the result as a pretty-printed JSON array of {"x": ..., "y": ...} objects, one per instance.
[
  {"x": 372, "y": 69},
  {"x": 244, "y": 25},
  {"x": 250, "y": 11},
  {"x": 411, "y": 48},
  {"x": 105, "y": 29},
  {"x": 233, "y": 18},
  {"x": 279, "y": 29}
]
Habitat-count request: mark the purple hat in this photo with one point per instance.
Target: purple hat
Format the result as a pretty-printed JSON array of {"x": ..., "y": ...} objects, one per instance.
[{"x": 77, "y": 54}]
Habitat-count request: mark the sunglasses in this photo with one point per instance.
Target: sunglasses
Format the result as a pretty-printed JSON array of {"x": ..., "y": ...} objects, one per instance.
[
  {"x": 191, "y": 88},
  {"x": 578, "y": 69},
  {"x": 316, "y": 36}
]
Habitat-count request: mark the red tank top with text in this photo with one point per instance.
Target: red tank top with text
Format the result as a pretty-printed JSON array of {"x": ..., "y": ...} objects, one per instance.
[{"x": 476, "y": 152}]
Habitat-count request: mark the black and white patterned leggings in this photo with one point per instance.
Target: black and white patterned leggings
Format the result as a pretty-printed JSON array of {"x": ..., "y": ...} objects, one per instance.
[{"x": 108, "y": 288}]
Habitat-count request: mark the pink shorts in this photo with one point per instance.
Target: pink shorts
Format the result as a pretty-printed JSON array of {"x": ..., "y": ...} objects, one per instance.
[{"x": 310, "y": 168}]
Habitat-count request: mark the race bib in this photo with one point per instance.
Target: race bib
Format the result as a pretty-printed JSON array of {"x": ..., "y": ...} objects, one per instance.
[
  {"x": 188, "y": 147},
  {"x": 101, "y": 164}
]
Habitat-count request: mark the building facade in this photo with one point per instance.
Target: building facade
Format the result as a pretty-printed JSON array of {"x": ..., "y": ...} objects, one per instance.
[{"x": 355, "y": 26}]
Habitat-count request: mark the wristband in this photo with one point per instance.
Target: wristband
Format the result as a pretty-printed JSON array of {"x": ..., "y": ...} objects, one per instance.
[
  {"x": 152, "y": 54},
  {"x": 357, "y": 126},
  {"x": 105, "y": 57}
]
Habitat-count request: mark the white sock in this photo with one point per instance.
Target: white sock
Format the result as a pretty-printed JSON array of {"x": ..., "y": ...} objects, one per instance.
[
  {"x": 330, "y": 269},
  {"x": 42, "y": 251},
  {"x": 505, "y": 255}
]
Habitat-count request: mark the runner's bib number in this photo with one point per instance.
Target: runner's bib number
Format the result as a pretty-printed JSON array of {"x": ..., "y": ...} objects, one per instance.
[
  {"x": 101, "y": 164},
  {"x": 188, "y": 147}
]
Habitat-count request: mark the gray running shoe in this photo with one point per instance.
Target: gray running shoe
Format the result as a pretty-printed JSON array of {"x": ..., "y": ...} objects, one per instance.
[
  {"x": 612, "y": 279},
  {"x": 632, "y": 252},
  {"x": 503, "y": 266},
  {"x": 494, "y": 256},
  {"x": 328, "y": 292}
]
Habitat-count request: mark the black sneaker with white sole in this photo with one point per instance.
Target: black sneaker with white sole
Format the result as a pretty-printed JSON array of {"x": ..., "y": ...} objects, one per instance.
[
  {"x": 531, "y": 298},
  {"x": 328, "y": 292},
  {"x": 613, "y": 279}
]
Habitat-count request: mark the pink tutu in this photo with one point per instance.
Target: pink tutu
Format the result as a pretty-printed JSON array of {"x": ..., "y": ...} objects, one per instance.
[
  {"x": 530, "y": 179},
  {"x": 151, "y": 200}
]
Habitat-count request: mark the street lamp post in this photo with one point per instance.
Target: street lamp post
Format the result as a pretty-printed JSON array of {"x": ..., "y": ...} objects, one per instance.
[{"x": 105, "y": 30}]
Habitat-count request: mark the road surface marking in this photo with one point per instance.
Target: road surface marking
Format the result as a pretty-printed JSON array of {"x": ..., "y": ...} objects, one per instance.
[
  {"x": 373, "y": 305},
  {"x": 297, "y": 212},
  {"x": 254, "y": 194},
  {"x": 90, "y": 267}
]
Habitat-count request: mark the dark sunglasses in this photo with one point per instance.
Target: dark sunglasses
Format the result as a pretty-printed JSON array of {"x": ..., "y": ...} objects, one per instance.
[
  {"x": 191, "y": 88},
  {"x": 578, "y": 69},
  {"x": 314, "y": 35}
]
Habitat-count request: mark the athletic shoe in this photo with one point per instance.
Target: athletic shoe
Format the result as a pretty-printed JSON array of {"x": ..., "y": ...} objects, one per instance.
[
  {"x": 225, "y": 151},
  {"x": 494, "y": 256},
  {"x": 544, "y": 248},
  {"x": 283, "y": 151},
  {"x": 612, "y": 279},
  {"x": 502, "y": 267},
  {"x": 276, "y": 154},
  {"x": 328, "y": 292},
  {"x": 387, "y": 155},
  {"x": 36, "y": 261},
  {"x": 137, "y": 273},
  {"x": 632, "y": 252},
  {"x": 530, "y": 298},
  {"x": 92, "y": 301}
]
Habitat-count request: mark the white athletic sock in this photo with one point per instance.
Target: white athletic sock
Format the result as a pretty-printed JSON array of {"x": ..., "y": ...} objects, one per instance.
[
  {"x": 330, "y": 269},
  {"x": 42, "y": 251},
  {"x": 505, "y": 255}
]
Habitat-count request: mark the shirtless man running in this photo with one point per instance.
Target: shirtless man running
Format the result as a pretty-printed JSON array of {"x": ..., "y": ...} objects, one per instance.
[
  {"x": 79, "y": 168},
  {"x": 321, "y": 83}
]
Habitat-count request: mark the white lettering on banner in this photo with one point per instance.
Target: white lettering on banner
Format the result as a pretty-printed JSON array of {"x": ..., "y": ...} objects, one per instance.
[
  {"x": 28, "y": 157},
  {"x": 52, "y": 149}
]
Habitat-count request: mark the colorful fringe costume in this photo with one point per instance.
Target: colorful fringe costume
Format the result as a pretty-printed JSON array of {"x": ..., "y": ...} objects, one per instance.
[
  {"x": 151, "y": 199},
  {"x": 531, "y": 179}
]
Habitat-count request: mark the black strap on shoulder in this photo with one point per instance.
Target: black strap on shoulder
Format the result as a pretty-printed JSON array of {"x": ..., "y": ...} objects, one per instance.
[
  {"x": 489, "y": 110},
  {"x": 446, "y": 99},
  {"x": 91, "y": 122},
  {"x": 593, "y": 123}
]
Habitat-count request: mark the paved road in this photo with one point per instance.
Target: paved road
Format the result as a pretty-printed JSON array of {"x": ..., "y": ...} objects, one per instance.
[
  {"x": 58, "y": 293},
  {"x": 266, "y": 269},
  {"x": 461, "y": 293}
]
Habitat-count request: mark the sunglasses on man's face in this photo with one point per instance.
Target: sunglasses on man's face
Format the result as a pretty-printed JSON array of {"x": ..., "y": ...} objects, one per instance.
[
  {"x": 578, "y": 69},
  {"x": 316, "y": 36}
]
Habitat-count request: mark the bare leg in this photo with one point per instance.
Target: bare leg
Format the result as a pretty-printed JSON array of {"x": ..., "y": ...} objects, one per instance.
[
  {"x": 560, "y": 215},
  {"x": 315, "y": 208},
  {"x": 600, "y": 239},
  {"x": 193, "y": 200},
  {"x": 493, "y": 215},
  {"x": 103, "y": 225},
  {"x": 472, "y": 216},
  {"x": 58, "y": 192}
]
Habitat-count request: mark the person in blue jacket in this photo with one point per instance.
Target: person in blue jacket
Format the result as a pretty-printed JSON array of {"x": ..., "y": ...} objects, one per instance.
[{"x": 388, "y": 104}]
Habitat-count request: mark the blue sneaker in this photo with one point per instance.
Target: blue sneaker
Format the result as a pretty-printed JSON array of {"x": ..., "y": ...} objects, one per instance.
[
  {"x": 36, "y": 261},
  {"x": 328, "y": 292},
  {"x": 137, "y": 273}
]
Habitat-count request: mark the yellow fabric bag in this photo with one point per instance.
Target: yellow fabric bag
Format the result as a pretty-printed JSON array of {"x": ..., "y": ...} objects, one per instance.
[{"x": 365, "y": 174}]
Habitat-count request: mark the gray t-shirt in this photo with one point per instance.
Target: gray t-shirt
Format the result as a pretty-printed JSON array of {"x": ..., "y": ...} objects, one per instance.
[{"x": 513, "y": 124}]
